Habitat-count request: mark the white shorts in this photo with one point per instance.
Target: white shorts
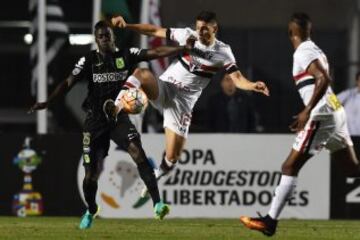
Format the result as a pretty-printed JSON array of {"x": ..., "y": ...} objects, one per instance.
[
  {"x": 176, "y": 105},
  {"x": 329, "y": 131}
]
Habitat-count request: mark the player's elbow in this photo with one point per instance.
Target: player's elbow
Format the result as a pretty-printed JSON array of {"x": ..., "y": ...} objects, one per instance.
[{"x": 322, "y": 80}]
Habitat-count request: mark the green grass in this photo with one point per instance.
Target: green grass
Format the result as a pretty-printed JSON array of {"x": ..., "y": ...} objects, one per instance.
[{"x": 146, "y": 229}]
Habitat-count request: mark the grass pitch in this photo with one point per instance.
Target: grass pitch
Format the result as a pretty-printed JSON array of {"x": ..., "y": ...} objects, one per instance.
[{"x": 190, "y": 229}]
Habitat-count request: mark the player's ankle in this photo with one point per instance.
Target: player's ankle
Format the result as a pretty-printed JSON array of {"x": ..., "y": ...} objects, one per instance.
[
  {"x": 169, "y": 162},
  {"x": 269, "y": 218},
  {"x": 167, "y": 165},
  {"x": 92, "y": 210}
]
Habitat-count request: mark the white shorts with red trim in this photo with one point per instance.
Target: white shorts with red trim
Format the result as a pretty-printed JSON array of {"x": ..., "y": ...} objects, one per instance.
[
  {"x": 176, "y": 104},
  {"x": 324, "y": 130}
]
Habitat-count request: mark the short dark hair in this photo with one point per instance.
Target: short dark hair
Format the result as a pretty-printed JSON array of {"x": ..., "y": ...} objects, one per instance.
[
  {"x": 301, "y": 19},
  {"x": 207, "y": 16},
  {"x": 102, "y": 24},
  {"x": 304, "y": 22}
]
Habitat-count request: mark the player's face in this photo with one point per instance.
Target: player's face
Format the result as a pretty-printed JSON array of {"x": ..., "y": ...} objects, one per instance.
[
  {"x": 293, "y": 31},
  {"x": 206, "y": 32},
  {"x": 104, "y": 38}
]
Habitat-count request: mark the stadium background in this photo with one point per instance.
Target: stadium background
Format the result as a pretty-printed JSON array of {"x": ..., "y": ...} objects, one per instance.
[{"x": 257, "y": 32}]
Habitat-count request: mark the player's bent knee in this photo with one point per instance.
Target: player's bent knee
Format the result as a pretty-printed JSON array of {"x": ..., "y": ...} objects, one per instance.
[
  {"x": 142, "y": 74},
  {"x": 136, "y": 152}
]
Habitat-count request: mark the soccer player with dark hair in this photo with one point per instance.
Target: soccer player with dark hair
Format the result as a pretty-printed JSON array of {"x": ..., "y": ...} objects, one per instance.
[
  {"x": 322, "y": 122},
  {"x": 106, "y": 71},
  {"x": 180, "y": 86}
]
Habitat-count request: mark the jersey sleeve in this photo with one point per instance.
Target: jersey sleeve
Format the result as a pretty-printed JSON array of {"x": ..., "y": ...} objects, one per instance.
[
  {"x": 305, "y": 57},
  {"x": 229, "y": 61},
  {"x": 179, "y": 35},
  {"x": 137, "y": 55},
  {"x": 81, "y": 68}
]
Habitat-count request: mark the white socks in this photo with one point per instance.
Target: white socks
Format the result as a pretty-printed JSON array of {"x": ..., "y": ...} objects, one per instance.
[
  {"x": 163, "y": 170},
  {"x": 282, "y": 193},
  {"x": 169, "y": 163},
  {"x": 131, "y": 82}
]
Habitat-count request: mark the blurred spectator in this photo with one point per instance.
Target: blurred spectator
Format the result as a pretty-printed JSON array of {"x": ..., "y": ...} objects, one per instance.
[
  {"x": 350, "y": 99},
  {"x": 231, "y": 110}
]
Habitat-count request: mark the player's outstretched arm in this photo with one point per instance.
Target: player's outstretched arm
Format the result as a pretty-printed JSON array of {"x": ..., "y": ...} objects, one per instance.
[
  {"x": 322, "y": 81},
  {"x": 146, "y": 29},
  {"x": 164, "y": 51},
  {"x": 60, "y": 90},
  {"x": 243, "y": 83}
]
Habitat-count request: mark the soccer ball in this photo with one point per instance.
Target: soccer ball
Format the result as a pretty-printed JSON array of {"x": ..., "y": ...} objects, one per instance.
[{"x": 134, "y": 101}]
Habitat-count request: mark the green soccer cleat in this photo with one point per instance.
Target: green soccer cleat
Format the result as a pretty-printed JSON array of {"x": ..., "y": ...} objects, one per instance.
[
  {"x": 161, "y": 210},
  {"x": 87, "y": 219}
]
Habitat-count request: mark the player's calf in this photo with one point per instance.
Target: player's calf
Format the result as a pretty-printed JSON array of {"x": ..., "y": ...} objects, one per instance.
[{"x": 163, "y": 170}]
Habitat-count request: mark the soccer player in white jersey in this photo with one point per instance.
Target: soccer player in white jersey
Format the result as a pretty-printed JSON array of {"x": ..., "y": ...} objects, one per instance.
[
  {"x": 180, "y": 86},
  {"x": 322, "y": 122}
]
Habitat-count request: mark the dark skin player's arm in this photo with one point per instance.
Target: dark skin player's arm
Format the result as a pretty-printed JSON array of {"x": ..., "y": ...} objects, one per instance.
[
  {"x": 146, "y": 29},
  {"x": 165, "y": 51},
  {"x": 322, "y": 81},
  {"x": 60, "y": 90}
]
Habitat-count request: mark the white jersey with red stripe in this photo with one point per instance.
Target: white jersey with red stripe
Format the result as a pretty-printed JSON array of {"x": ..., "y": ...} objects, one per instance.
[
  {"x": 326, "y": 126},
  {"x": 181, "y": 84},
  {"x": 305, "y": 54},
  {"x": 194, "y": 71}
]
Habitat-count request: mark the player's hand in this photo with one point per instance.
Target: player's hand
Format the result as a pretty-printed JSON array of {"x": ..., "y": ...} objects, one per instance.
[
  {"x": 118, "y": 21},
  {"x": 38, "y": 106},
  {"x": 300, "y": 120},
  {"x": 261, "y": 88},
  {"x": 190, "y": 42}
]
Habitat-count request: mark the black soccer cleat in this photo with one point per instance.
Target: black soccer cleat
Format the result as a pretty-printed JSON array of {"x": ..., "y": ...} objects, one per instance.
[
  {"x": 109, "y": 109},
  {"x": 165, "y": 168},
  {"x": 266, "y": 224}
]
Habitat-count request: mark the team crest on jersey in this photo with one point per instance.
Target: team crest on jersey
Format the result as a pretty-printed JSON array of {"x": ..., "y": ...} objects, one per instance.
[{"x": 120, "y": 63}]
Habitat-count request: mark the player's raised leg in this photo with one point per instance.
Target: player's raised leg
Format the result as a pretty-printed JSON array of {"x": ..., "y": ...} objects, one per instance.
[
  {"x": 141, "y": 78},
  {"x": 147, "y": 81}
]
